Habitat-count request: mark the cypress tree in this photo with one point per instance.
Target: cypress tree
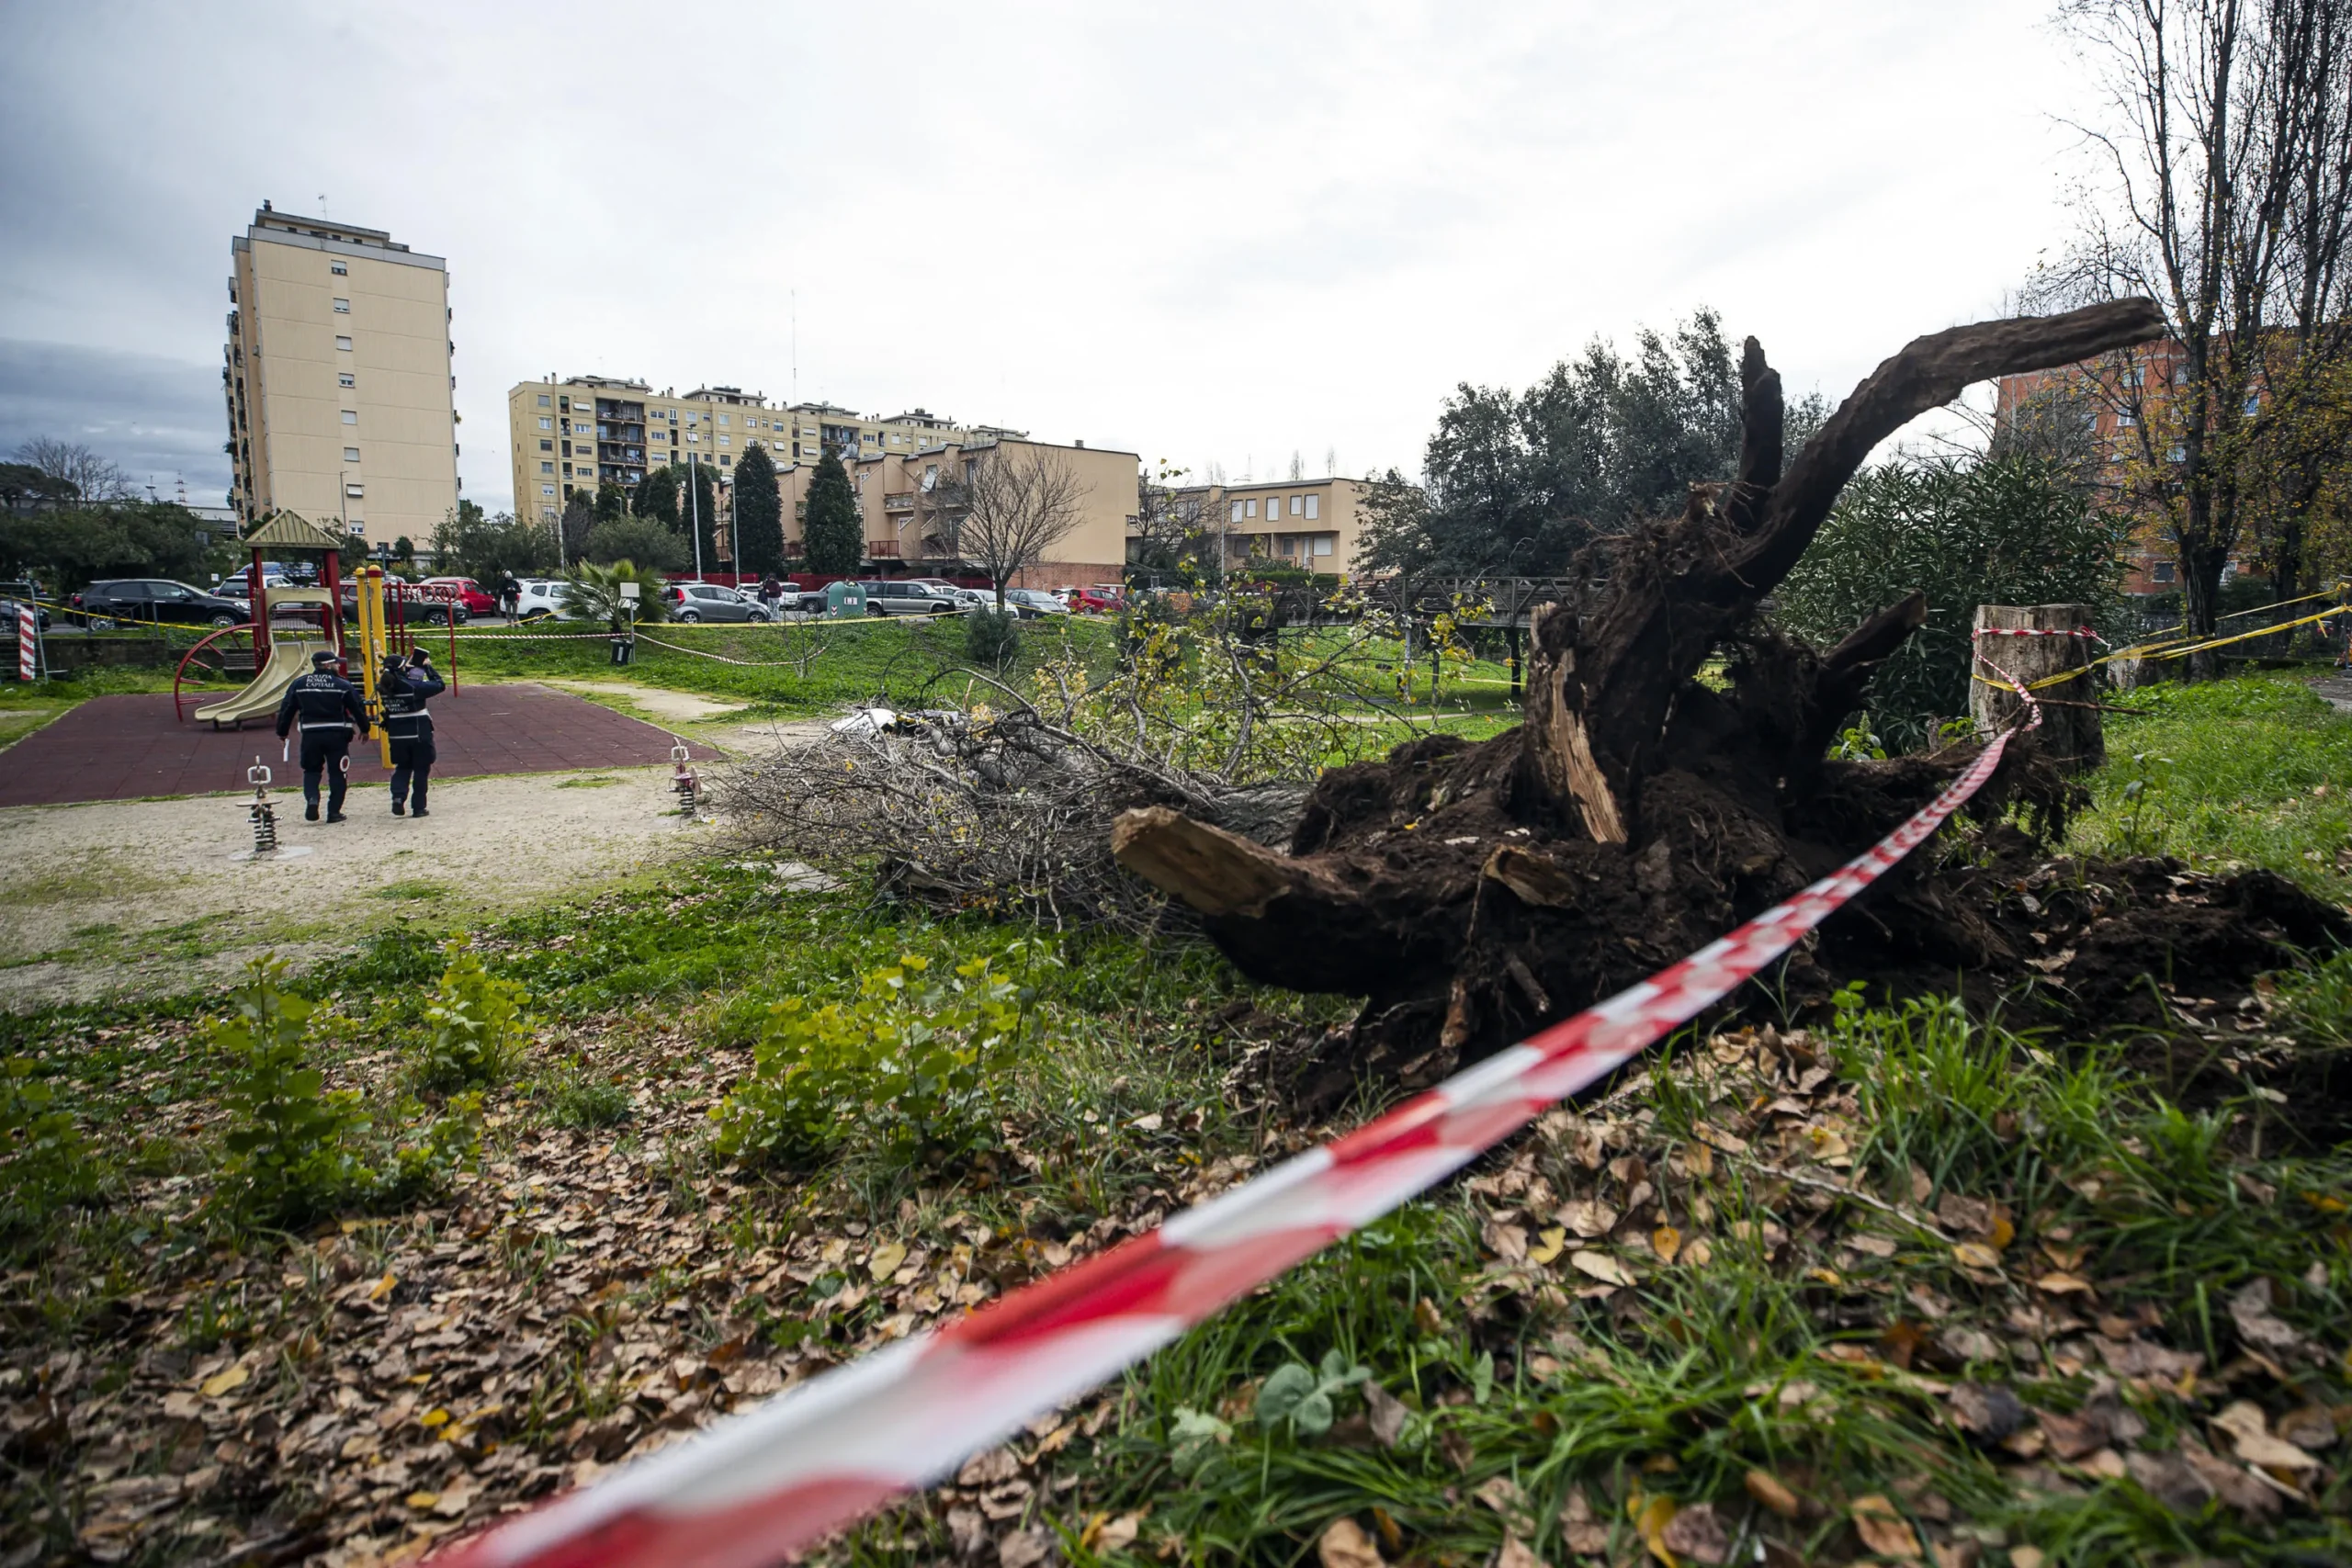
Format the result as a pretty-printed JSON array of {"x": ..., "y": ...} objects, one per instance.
[
  {"x": 758, "y": 513},
  {"x": 834, "y": 531},
  {"x": 657, "y": 496},
  {"x": 611, "y": 502}
]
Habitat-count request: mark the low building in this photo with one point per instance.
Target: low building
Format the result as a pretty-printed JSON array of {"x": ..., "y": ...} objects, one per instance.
[
  {"x": 1312, "y": 525},
  {"x": 910, "y": 531}
]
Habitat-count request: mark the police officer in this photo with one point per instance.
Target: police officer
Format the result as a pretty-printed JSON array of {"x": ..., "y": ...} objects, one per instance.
[
  {"x": 408, "y": 724},
  {"x": 331, "y": 711}
]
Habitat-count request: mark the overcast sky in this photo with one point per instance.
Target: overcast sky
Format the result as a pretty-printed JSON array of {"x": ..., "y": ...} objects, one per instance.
[{"x": 1209, "y": 233}]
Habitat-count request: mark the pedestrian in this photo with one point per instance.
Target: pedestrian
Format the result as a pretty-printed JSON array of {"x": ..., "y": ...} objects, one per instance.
[
  {"x": 331, "y": 714},
  {"x": 769, "y": 591},
  {"x": 408, "y": 725},
  {"x": 510, "y": 595}
]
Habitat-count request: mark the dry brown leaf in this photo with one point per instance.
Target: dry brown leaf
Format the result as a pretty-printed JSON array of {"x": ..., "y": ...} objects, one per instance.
[
  {"x": 886, "y": 1259},
  {"x": 1666, "y": 1242},
  {"x": 1602, "y": 1266},
  {"x": 1343, "y": 1544},
  {"x": 1977, "y": 1255},
  {"x": 1516, "y": 1553},
  {"x": 1695, "y": 1534},
  {"x": 1767, "y": 1489},
  {"x": 1506, "y": 1242},
  {"x": 1501, "y": 1494},
  {"x": 1026, "y": 1549},
  {"x": 2244, "y": 1421},
  {"x": 221, "y": 1382},
  {"x": 1426, "y": 1317},
  {"x": 2059, "y": 1283},
  {"x": 1385, "y": 1412},
  {"x": 1589, "y": 1217},
  {"x": 2311, "y": 1427},
  {"x": 1883, "y": 1529}
]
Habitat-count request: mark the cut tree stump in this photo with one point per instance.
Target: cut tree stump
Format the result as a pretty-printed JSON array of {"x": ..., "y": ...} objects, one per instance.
[{"x": 2070, "y": 734}]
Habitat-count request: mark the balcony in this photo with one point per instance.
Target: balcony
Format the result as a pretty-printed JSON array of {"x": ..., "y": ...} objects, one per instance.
[
  {"x": 903, "y": 501},
  {"x": 882, "y": 549}
]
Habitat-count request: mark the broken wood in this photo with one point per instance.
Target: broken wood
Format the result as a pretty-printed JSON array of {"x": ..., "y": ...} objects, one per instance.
[{"x": 2070, "y": 734}]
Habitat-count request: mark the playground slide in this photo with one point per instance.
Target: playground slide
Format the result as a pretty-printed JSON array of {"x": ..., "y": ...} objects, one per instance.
[{"x": 288, "y": 660}]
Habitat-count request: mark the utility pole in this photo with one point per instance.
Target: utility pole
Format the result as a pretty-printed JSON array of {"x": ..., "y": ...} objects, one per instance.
[{"x": 694, "y": 505}]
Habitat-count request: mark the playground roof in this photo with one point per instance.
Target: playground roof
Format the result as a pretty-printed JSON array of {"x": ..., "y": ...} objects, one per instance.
[{"x": 291, "y": 531}]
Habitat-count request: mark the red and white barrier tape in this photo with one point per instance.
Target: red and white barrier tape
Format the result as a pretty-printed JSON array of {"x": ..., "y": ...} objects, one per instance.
[
  {"x": 2038, "y": 631},
  {"x": 759, "y": 1487}
]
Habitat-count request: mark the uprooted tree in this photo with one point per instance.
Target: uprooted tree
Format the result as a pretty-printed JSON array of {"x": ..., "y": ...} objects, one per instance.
[{"x": 1471, "y": 891}]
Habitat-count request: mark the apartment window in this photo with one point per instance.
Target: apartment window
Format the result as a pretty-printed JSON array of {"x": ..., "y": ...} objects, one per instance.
[
  {"x": 724, "y": 459},
  {"x": 546, "y": 489},
  {"x": 354, "y": 490},
  {"x": 2180, "y": 454},
  {"x": 342, "y": 346},
  {"x": 343, "y": 307},
  {"x": 727, "y": 441},
  {"x": 547, "y": 445},
  {"x": 1297, "y": 505},
  {"x": 545, "y": 424},
  {"x": 346, "y": 379},
  {"x": 546, "y": 467},
  {"x": 543, "y": 400},
  {"x": 1313, "y": 508},
  {"x": 351, "y": 416},
  {"x": 1249, "y": 508},
  {"x": 580, "y": 430},
  {"x": 1237, "y": 512},
  {"x": 1323, "y": 545},
  {"x": 722, "y": 419},
  {"x": 338, "y": 269},
  {"x": 2162, "y": 571},
  {"x": 351, "y": 454},
  {"x": 567, "y": 470}
]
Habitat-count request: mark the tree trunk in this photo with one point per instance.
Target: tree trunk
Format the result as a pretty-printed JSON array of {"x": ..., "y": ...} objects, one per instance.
[
  {"x": 2070, "y": 733},
  {"x": 1471, "y": 890}
]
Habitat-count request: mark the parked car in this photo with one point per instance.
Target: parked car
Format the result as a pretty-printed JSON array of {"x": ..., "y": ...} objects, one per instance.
[
  {"x": 236, "y": 585},
  {"x": 713, "y": 601},
  {"x": 1091, "y": 601},
  {"x": 467, "y": 593},
  {"x": 910, "y": 598},
  {"x": 1029, "y": 603},
  {"x": 542, "y": 597},
  {"x": 9, "y": 607},
  {"x": 158, "y": 599}
]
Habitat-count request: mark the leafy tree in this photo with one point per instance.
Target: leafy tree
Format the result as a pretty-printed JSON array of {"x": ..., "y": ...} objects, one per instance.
[
  {"x": 1965, "y": 532},
  {"x": 834, "y": 531},
  {"x": 578, "y": 517},
  {"x": 66, "y": 547},
  {"x": 21, "y": 484},
  {"x": 1519, "y": 481},
  {"x": 404, "y": 551},
  {"x": 612, "y": 501},
  {"x": 471, "y": 544},
  {"x": 657, "y": 496},
  {"x": 592, "y": 593},
  {"x": 635, "y": 540},
  {"x": 758, "y": 513}
]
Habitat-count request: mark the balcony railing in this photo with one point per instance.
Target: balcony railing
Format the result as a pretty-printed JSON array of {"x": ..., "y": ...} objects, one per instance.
[
  {"x": 903, "y": 501},
  {"x": 882, "y": 549}
]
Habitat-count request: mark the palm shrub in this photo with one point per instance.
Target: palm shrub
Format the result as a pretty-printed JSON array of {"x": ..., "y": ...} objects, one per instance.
[{"x": 592, "y": 593}]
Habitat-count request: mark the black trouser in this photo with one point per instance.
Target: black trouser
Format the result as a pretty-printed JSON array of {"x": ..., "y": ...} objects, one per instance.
[
  {"x": 412, "y": 770},
  {"x": 327, "y": 751}
]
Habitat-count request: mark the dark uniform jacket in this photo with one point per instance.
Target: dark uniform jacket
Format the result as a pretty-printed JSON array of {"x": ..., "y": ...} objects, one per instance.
[
  {"x": 324, "y": 702},
  {"x": 405, "y": 715}
]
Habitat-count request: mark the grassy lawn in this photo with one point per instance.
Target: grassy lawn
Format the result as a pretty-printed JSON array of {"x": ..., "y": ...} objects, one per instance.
[
  {"x": 1901, "y": 1286},
  {"x": 2253, "y": 770}
]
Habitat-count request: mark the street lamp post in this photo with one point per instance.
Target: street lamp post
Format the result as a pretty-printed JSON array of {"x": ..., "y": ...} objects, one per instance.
[{"x": 693, "y": 507}]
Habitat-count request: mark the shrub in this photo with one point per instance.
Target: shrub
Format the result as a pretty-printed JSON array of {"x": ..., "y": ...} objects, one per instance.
[
  {"x": 451, "y": 1141},
  {"x": 580, "y": 1099},
  {"x": 991, "y": 637},
  {"x": 292, "y": 1143},
  {"x": 475, "y": 1024},
  {"x": 906, "y": 1067},
  {"x": 43, "y": 1159}
]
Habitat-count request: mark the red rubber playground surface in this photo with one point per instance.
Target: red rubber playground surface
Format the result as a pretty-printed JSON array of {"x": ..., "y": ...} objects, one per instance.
[{"x": 125, "y": 748}]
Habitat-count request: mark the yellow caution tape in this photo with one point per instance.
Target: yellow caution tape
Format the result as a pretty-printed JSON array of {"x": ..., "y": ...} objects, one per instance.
[{"x": 2172, "y": 651}]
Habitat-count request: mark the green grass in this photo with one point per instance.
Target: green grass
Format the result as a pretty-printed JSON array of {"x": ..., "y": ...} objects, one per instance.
[
  {"x": 1789, "y": 1351},
  {"x": 2254, "y": 770}
]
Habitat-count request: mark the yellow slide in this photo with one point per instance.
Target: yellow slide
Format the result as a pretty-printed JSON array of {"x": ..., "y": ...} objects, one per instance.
[{"x": 288, "y": 659}]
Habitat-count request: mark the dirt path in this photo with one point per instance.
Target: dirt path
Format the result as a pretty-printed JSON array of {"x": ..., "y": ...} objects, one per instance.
[{"x": 132, "y": 897}]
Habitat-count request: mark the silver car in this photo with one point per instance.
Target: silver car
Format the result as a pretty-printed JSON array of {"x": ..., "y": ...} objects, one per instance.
[
  {"x": 712, "y": 601},
  {"x": 1030, "y": 603}
]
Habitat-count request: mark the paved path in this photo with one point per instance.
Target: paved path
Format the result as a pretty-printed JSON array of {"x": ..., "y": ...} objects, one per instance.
[
  {"x": 127, "y": 748},
  {"x": 2336, "y": 689}
]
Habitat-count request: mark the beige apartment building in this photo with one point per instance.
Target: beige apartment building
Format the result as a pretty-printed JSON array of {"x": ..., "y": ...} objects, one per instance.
[
  {"x": 1313, "y": 525},
  {"x": 905, "y": 529},
  {"x": 337, "y": 378},
  {"x": 584, "y": 429}
]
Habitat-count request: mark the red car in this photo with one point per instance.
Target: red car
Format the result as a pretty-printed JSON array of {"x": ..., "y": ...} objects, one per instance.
[
  {"x": 464, "y": 590},
  {"x": 1093, "y": 601}
]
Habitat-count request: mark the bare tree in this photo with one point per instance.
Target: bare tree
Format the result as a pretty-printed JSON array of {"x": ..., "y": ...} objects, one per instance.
[
  {"x": 69, "y": 462},
  {"x": 2224, "y": 191},
  {"x": 1003, "y": 511}
]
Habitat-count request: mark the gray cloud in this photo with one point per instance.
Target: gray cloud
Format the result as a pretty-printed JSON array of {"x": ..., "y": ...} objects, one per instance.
[{"x": 160, "y": 419}]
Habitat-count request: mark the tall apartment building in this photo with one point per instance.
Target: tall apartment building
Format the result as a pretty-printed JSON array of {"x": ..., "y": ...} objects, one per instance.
[
  {"x": 337, "y": 378},
  {"x": 584, "y": 429},
  {"x": 1313, "y": 525}
]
